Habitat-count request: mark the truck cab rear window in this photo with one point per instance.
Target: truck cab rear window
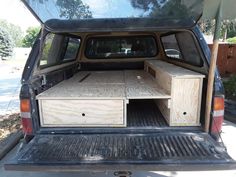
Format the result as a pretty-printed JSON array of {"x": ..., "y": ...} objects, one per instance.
[{"x": 121, "y": 47}]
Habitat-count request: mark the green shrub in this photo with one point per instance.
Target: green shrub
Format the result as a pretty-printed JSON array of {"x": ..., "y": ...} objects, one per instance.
[
  {"x": 230, "y": 86},
  {"x": 232, "y": 40}
]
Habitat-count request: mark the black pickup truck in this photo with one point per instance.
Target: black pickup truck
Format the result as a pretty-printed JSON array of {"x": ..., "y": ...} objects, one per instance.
[{"x": 120, "y": 86}]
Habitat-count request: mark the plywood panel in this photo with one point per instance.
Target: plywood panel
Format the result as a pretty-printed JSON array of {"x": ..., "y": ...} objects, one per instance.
[
  {"x": 136, "y": 91},
  {"x": 129, "y": 84},
  {"x": 185, "y": 102},
  {"x": 165, "y": 110},
  {"x": 139, "y": 77},
  {"x": 86, "y": 113},
  {"x": 88, "y": 91},
  {"x": 102, "y": 77},
  {"x": 141, "y": 85},
  {"x": 173, "y": 70}
]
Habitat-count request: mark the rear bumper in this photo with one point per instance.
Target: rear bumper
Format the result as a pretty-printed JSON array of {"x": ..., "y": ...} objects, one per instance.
[{"x": 120, "y": 167}]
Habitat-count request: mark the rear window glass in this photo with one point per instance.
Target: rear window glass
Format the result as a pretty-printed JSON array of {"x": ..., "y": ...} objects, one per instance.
[
  {"x": 121, "y": 47},
  {"x": 72, "y": 49},
  {"x": 58, "y": 49},
  {"x": 181, "y": 46},
  {"x": 171, "y": 47}
]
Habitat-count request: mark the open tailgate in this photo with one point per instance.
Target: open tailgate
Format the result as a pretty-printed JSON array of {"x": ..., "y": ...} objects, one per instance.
[{"x": 156, "y": 151}]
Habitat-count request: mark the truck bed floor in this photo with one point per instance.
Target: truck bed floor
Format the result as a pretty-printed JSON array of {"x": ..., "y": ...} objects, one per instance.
[{"x": 144, "y": 113}]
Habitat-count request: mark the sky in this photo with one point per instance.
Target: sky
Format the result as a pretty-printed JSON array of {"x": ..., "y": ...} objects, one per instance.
[{"x": 15, "y": 12}]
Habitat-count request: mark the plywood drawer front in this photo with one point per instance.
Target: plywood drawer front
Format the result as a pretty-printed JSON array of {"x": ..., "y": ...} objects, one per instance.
[
  {"x": 74, "y": 113},
  {"x": 185, "y": 105}
]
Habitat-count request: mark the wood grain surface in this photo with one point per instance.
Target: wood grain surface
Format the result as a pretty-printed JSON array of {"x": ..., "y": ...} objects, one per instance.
[{"x": 85, "y": 113}]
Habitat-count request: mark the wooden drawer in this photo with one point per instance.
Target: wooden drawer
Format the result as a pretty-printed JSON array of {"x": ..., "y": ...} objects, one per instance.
[{"x": 84, "y": 113}]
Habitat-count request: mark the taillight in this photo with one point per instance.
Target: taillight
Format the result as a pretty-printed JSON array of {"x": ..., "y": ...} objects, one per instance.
[
  {"x": 26, "y": 116},
  {"x": 218, "y": 114}
]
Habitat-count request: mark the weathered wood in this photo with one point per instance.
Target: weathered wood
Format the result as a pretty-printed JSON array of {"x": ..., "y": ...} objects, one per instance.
[
  {"x": 85, "y": 113},
  {"x": 210, "y": 85},
  {"x": 185, "y": 88}
]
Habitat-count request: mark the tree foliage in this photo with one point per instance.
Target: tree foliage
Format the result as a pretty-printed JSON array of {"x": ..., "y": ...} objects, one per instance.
[
  {"x": 14, "y": 30},
  {"x": 232, "y": 40},
  {"x": 228, "y": 28},
  {"x": 161, "y": 8},
  {"x": 30, "y": 36},
  {"x": 75, "y": 9},
  {"x": 6, "y": 44}
]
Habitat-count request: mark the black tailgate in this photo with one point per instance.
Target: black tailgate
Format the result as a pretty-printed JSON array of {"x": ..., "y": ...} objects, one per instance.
[{"x": 158, "y": 151}]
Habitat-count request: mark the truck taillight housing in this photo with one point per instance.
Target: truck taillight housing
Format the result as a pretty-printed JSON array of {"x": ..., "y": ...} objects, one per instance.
[
  {"x": 26, "y": 120},
  {"x": 218, "y": 114}
]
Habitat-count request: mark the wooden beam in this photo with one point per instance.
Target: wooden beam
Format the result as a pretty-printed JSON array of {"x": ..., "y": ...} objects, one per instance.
[
  {"x": 210, "y": 85},
  {"x": 211, "y": 74}
]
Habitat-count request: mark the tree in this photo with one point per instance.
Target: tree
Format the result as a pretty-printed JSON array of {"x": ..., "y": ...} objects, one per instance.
[
  {"x": 206, "y": 26},
  {"x": 30, "y": 37},
  {"x": 161, "y": 8},
  {"x": 74, "y": 9},
  {"x": 6, "y": 44},
  {"x": 227, "y": 27},
  {"x": 14, "y": 30}
]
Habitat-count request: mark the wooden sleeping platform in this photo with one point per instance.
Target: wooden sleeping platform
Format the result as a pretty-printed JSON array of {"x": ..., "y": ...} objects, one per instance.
[
  {"x": 100, "y": 98},
  {"x": 133, "y": 84}
]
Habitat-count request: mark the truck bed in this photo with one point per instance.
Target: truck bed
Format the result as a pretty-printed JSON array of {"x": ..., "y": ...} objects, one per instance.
[{"x": 144, "y": 114}]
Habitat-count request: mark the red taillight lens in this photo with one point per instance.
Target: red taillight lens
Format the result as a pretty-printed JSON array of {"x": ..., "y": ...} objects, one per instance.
[
  {"x": 218, "y": 115},
  {"x": 26, "y": 120},
  {"x": 27, "y": 125}
]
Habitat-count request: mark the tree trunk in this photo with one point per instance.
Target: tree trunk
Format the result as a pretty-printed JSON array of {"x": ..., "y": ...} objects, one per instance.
[{"x": 225, "y": 35}]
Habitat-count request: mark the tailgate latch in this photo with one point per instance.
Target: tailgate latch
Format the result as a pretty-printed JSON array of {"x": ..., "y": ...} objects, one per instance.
[{"x": 123, "y": 173}]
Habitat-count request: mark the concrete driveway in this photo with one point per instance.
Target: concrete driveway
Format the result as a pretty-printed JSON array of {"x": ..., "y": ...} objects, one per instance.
[
  {"x": 10, "y": 75},
  {"x": 228, "y": 136}
]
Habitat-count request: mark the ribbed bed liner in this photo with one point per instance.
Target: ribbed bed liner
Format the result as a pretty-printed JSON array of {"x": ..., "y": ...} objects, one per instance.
[
  {"x": 117, "y": 148},
  {"x": 144, "y": 113}
]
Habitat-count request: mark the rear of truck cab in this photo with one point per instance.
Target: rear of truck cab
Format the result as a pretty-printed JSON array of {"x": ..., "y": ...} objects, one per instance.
[{"x": 143, "y": 138}]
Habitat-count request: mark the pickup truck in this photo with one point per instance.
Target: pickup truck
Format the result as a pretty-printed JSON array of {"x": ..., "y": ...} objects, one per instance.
[{"x": 119, "y": 86}]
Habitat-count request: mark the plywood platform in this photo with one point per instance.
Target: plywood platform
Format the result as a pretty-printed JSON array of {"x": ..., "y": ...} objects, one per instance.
[
  {"x": 132, "y": 84},
  {"x": 96, "y": 98}
]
